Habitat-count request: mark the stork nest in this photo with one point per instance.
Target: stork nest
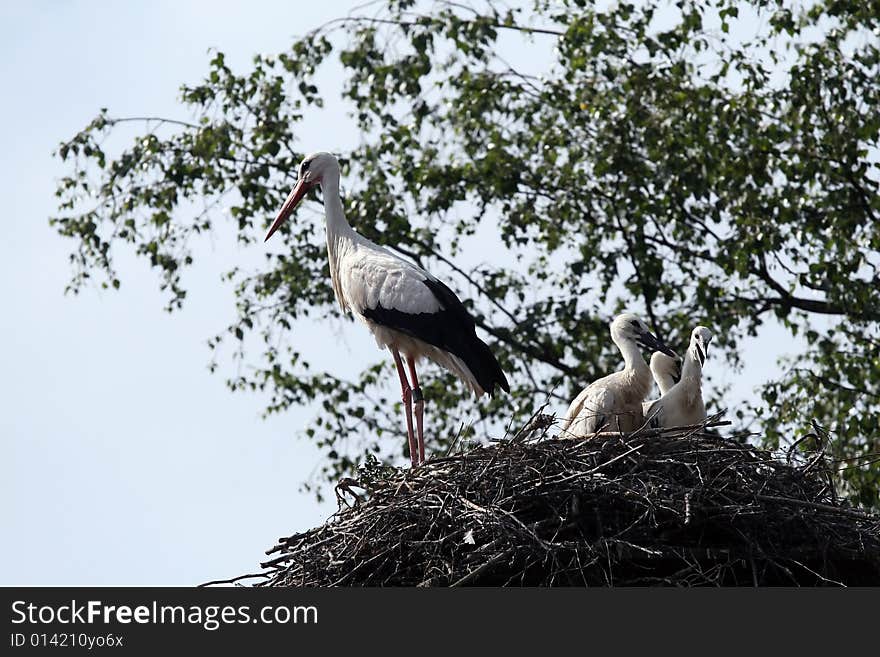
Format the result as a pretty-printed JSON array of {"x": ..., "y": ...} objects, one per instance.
[{"x": 679, "y": 507}]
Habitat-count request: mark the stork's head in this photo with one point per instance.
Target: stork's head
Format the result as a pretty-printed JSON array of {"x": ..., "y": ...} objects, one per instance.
[
  {"x": 629, "y": 328},
  {"x": 312, "y": 171},
  {"x": 700, "y": 339}
]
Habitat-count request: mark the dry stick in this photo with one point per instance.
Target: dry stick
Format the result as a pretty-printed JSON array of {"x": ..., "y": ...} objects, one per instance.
[
  {"x": 810, "y": 570},
  {"x": 581, "y": 475},
  {"x": 232, "y": 580},
  {"x": 522, "y": 432},
  {"x": 668, "y": 432},
  {"x": 852, "y": 513},
  {"x": 482, "y": 569}
]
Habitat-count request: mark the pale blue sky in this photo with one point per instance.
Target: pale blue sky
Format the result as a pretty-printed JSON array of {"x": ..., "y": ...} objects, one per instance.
[{"x": 124, "y": 461}]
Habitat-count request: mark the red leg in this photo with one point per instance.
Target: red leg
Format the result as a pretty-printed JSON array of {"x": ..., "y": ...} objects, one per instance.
[
  {"x": 406, "y": 395},
  {"x": 419, "y": 403}
]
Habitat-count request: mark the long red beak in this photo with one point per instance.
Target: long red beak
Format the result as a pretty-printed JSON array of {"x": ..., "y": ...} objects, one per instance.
[{"x": 292, "y": 201}]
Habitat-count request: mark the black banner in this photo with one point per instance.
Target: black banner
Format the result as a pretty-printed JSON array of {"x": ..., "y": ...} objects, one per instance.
[{"x": 338, "y": 621}]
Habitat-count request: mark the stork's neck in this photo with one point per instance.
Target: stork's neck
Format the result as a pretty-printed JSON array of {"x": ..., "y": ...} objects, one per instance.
[
  {"x": 341, "y": 237},
  {"x": 337, "y": 226},
  {"x": 665, "y": 380},
  {"x": 636, "y": 372},
  {"x": 692, "y": 370},
  {"x": 632, "y": 358}
]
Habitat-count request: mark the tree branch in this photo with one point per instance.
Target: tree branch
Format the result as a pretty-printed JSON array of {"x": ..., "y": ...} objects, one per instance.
[{"x": 433, "y": 21}]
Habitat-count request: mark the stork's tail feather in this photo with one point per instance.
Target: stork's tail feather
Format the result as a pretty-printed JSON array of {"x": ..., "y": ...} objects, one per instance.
[
  {"x": 484, "y": 366},
  {"x": 461, "y": 339}
]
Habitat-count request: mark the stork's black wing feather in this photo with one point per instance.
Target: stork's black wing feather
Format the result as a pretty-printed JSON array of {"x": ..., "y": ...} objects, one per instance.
[{"x": 451, "y": 329}]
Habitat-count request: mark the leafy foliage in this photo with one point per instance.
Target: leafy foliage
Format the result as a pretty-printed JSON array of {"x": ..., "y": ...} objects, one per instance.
[{"x": 712, "y": 163}]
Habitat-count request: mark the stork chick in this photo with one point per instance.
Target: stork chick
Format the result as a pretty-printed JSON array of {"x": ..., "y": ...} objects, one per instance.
[
  {"x": 682, "y": 404},
  {"x": 616, "y": 400},
  {"x": 666, "y": 372}
]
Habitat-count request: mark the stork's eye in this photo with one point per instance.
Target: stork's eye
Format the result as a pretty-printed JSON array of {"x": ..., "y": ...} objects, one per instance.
[
  {"x": 305, "y": 166},
  {"x": 635, "y": 324}
]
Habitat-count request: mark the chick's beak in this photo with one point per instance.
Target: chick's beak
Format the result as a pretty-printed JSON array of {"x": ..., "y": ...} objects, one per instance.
[{"x": 650, "y": 341}]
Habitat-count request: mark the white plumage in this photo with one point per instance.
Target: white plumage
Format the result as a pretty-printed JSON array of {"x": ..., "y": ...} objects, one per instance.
[
  {"x": 682, "y": 404},
  {"x": 665, "y": 370},
  {"x": 615, "y": 401},
  {"x": 408, "y": 310},
  {"x": 666, "y": 373}
]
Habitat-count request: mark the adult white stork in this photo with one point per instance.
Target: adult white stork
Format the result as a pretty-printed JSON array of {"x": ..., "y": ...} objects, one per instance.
[
  {"x": 407, "y": 309},
  {"x": 682, "y": 404},
  {"x": 616, "y": 400}
]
